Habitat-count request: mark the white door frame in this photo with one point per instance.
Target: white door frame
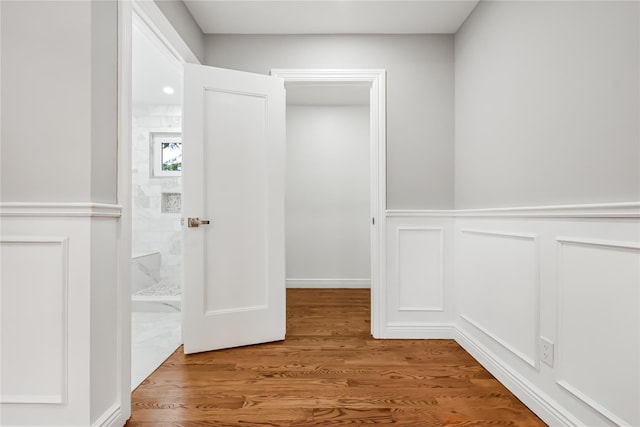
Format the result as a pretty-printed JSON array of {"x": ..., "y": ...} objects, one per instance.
[
  {"x": 160, "y": 26},
  {"x": 375, "y": 79}
]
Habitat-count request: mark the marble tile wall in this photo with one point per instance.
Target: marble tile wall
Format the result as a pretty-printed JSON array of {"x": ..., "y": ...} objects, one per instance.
[{"x": 153, "y": 229}]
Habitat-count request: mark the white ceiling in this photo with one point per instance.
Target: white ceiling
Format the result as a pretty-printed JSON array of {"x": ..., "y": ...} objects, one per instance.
[
  {"x": 153, "y": 69},
  {"x": 330, "y": 16}
]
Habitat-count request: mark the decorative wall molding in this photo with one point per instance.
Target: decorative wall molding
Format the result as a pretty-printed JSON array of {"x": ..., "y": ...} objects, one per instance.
[
  {"x": 415, "y": 306},
  {"x": 532, "y": 360},
  {"x": 529, "y": 361},
  {"x": 417, "y": 213},
  {"x": 361, "y": 76},
  {"x": 626, "y": 278},
  {"x": 599, "y": 242},
  {"x": 60, "y": 210},
  {"x": 539, "y": 402},
  {"x": 328, "y": 283},
  {"x": 526, "y": 236},
  {"x": 595, "y": 210},
  {"x": 33, "y": 242}
]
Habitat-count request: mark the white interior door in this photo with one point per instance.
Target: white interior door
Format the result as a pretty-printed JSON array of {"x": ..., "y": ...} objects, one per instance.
[{"x": 233, "y": 176}]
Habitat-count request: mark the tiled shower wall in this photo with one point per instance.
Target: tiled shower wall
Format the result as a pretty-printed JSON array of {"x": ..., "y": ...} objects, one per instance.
[{"x": 154, "y": 230}]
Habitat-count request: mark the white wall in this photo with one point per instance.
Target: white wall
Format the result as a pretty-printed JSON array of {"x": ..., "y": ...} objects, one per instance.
[
  {"x": 419, "y": 98},
  {"x": 547, "y": 104},
  {"x": 327, "y": 196},
  {"x": 58, "y": 135}
]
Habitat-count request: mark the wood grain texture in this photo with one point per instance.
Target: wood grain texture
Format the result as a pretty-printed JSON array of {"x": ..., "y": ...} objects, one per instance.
[{"x": 328, "y": 371}]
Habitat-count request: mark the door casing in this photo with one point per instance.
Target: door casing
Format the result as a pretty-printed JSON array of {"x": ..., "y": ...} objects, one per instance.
[{"x": 375, "y": 79}]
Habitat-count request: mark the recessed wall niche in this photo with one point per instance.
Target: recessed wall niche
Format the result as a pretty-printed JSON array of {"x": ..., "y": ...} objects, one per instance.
[{"x": 171, "y": 202}]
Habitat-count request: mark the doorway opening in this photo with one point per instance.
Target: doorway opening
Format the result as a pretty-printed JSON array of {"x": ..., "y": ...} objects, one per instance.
[
  {"x": 156, "y": 188},
  {"x": 332, "y": 195},
  {"x": 327, "y": 206}
]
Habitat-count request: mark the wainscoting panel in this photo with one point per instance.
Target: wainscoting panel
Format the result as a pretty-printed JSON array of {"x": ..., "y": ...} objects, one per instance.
[
  {"x": 500, "y": 274},
  {"x": 599, "y": 284},
  {"x": 419, "y": 276},
  {"x": 420, "y": 268},
  {"x": 519, "y": 280},
  {"x": 33, "y": 285},
  {"x": 59, "y": 326}
]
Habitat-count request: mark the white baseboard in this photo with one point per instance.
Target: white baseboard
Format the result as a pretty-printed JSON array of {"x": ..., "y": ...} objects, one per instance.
[
  {"x": 111, "y": 418},
  {"x": 540, "y": 403},
  {"x": 418, "y": 331},
  {"x": 329, "y": 283}
]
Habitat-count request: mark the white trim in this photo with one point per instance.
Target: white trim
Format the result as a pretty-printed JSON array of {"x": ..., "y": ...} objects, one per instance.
[
  {"x": 418, "y": 213},
  {"x": 52, "y": 399},
  {"x": 540, "y": 403},
  {"x": 535, "y": 238},
  {"x": 60, "y": 398},
  {"x": 47, "y": 210},
  {"x": 527, "y": 236},
  {"x": 376, "y": 80},
  {"x": 402, "y": 330},
  {"x": 125, "y": 114},
  {"x": 299, "y": 76},
  {"x": 531, "y": 362},
  {"x": 595, "y": 210},
  {"x": 109, "y": 418},
  {"x": 329, "y": 283},
  {"x": 598, "y": 242},
  {"x": 592, "y": 403},
  {"x": 160, "y": 26}
]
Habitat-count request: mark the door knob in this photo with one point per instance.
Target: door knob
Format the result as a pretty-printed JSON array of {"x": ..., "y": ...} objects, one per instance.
[{"x": 196, "y": 222}]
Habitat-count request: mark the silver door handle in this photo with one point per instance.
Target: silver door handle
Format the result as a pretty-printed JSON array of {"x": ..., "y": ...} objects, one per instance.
[{"x": 196, "y": 222}]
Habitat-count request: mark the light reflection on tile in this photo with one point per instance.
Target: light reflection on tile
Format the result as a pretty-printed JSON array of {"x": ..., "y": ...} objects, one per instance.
[{"x": 155, "y": 335}]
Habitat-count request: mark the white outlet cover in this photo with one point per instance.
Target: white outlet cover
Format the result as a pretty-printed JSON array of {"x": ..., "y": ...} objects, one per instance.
[{"x": 546, "y": 351}]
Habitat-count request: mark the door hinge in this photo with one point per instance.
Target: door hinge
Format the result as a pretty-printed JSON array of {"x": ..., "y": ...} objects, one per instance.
[{"x": 373, "y": 220}]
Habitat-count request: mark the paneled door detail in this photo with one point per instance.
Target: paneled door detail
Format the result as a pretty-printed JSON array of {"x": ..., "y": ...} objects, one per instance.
[{"x": 233, "y": 175}]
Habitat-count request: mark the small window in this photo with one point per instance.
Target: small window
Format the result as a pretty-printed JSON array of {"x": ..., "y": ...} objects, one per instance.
[{"x": 166, "y": 154}]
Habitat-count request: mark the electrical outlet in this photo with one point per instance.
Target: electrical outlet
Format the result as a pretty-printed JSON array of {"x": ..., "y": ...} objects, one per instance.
[{"x": 546, "y": 351}]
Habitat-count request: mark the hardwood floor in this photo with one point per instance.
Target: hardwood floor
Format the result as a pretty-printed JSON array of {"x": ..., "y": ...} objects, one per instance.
[{"x": 328, "y": 371}]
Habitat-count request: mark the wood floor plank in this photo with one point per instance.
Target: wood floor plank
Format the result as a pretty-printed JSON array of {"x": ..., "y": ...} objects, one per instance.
[{"x": 328, "y": 371}]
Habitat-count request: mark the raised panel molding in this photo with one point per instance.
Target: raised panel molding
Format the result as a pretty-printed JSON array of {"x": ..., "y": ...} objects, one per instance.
[
  {"x": 420, "y": 268},
  {"x": 529, "y": 326},
  {"x": 535, "y": 398},
  {"x": 598, "y": 283},
  {"x": 594, "y": 210},
  {"x": 65, "y": 210},
  {"x": 52, "y": 278}
]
